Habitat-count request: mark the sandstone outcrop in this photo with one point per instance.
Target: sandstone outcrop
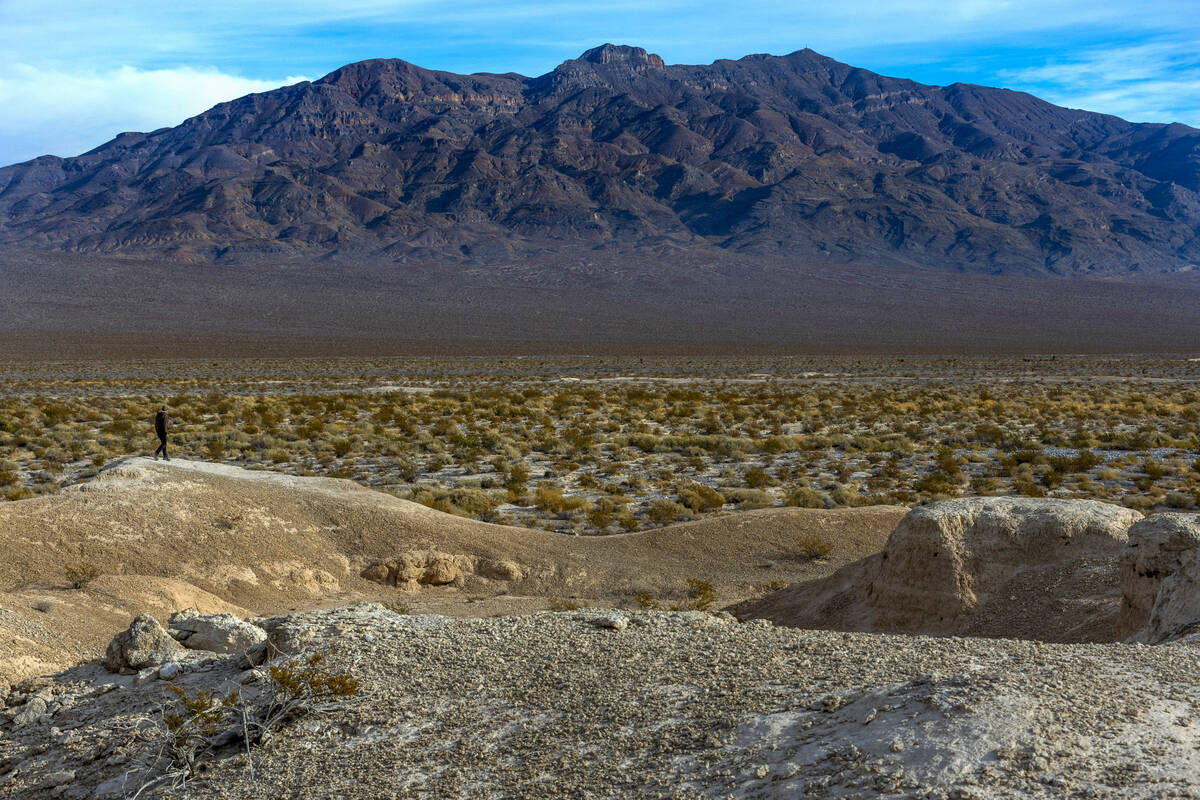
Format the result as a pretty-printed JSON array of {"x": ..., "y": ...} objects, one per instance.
[
  {"x": 217, "y": 633},
  {"x": 412, "y": 570},
  {"x": 1160, "y": 578},
  {"x": 982, "y": 566},
  {"x": 142, "y": 645}
]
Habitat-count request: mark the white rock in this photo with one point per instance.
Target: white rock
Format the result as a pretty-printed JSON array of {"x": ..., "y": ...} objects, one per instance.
[
  {"x": 145, "y": 676},
  {"x": 144, "y": 644},
  {"x": 613, "y": 621},
  {"x": 217, "y": 633}
]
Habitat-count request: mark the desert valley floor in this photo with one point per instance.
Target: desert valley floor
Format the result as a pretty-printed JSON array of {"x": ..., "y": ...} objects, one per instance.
[{"x": 958, "y": 578}]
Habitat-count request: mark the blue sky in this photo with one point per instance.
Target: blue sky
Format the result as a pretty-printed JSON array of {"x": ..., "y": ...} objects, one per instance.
[{"x": 74, "y": 73}]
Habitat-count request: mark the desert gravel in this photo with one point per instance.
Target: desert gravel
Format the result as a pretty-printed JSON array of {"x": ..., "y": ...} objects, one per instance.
[{"x": 673, "y": 705}]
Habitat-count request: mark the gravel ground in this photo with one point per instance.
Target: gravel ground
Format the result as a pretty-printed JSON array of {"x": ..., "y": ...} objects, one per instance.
[{"x": 675, "y": 705}]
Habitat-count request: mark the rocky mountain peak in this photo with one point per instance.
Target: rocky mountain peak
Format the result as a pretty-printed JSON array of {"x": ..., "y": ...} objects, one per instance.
[
  {"x": 795, "y": 156},
  {"x": 622, "y": 54}
]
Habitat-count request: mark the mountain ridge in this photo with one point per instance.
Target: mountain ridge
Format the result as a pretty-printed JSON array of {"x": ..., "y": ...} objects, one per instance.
[{"x": 795, "y": 156}]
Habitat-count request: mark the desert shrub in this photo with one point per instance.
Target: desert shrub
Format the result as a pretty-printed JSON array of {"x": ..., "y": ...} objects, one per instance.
[
  {"x": 201, "y": 723},
  {"x": 776, "y": 444},
  {"x": 702, "y": 594},
  {"x": 664, "y": 511},
  {"x": 1137, "y": 502},
  {"x": 646, "y": 601},
  {"x": 700, "y": 498},
  {"x": 474, "y": 502},
  {"x": 80, "y": 574},
  {"x": 812, "y": 546},
  {"x": 600, "y": 516},
  {"x": 807, "y": 497},
  {"x": 1178, "y": 500},
  {"x": 750, "y": 498},
  {"x": 551, "y": 499},
  {"x": 757, "y": 477},
  {"x": 947, "y": 462},
  {"x": 936, "y": 483},
  {"x": 990, "y": 434},
  {"x": 847, "y": 496},
  {"x": 1029, "y": 489}
]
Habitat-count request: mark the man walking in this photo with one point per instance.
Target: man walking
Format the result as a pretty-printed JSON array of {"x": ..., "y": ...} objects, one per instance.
[{"x": 160, "y": 427}]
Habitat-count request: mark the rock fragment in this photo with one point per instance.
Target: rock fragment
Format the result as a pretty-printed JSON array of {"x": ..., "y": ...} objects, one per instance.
[
  {"x": 611, "y": 621},
  {"x": 216, "y": 633},
  {"x": 144, "y": 644}
]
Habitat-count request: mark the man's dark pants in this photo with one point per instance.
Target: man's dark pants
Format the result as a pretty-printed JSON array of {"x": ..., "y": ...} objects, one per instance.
[{"x": 162, "y": 447}]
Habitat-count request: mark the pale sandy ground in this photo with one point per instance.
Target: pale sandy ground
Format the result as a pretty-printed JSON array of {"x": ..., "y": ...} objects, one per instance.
[{"x": 178, "y": 534}]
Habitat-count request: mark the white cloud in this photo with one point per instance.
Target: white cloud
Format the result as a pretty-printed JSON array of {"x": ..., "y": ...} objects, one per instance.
[
  {"x": 1156, "y": 81},
  {"x": 67, "y": 113}
]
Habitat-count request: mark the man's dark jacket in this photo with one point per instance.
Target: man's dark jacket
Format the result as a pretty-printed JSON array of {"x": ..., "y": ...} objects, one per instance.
[{"x": 160, "y": 424}]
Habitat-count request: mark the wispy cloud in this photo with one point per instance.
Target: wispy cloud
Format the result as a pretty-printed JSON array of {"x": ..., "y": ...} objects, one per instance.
[
  {"x": 65, "y": 113},
  {"x": 1156, "y": 81}
]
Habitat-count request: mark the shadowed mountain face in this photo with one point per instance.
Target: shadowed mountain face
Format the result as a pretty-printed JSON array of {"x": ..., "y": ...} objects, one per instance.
[{"x": 792, "y": 157}]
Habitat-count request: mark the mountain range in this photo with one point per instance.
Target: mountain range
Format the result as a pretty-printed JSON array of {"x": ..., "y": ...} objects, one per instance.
[{"x": 619, "y": 158}]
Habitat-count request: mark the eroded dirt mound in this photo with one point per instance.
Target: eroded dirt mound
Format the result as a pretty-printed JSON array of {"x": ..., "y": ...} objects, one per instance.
[
  {"x": 983, "y": 566},
  {"x": 164, "y": 536}
]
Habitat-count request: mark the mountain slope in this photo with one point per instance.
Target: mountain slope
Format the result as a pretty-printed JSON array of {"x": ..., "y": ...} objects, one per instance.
[{"x": 796, "y": 156}]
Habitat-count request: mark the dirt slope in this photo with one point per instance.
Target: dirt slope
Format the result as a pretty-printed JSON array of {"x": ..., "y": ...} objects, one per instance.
[{"x": 166, "y": 536}]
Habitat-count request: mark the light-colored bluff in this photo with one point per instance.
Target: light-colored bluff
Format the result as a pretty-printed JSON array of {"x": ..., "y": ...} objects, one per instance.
[
  {"x": 1160, "y": 578},
  {"x": 1051, "y": 570}
]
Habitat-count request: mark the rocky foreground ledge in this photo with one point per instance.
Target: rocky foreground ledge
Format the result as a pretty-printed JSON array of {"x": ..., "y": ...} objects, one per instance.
[{"x": 605, "y": 704}]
